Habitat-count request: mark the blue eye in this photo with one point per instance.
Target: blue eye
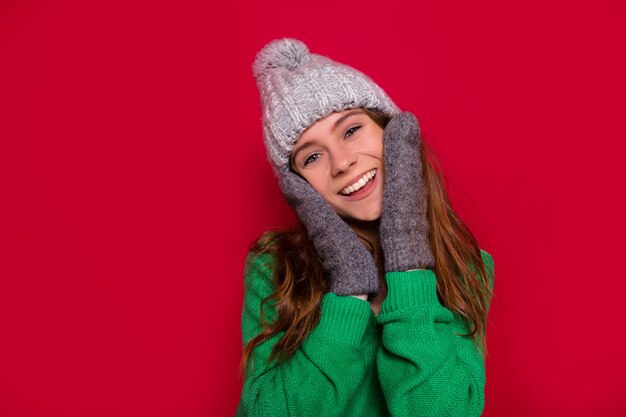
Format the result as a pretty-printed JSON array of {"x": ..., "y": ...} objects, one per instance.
[
  {"x": 355, "y": 128},
  {"x": 313, "y": 157},
  {"x": 309, "y": 159}
]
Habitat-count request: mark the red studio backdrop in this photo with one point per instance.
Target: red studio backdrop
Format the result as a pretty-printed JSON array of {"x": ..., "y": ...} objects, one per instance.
[{"x": 133, "y": 178}]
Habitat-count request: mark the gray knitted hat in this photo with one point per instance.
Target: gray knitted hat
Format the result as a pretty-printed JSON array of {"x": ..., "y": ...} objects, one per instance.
[{"x": 298, "y": 88}]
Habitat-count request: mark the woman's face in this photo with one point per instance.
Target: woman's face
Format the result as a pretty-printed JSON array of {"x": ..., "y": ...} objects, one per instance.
[{"x": 341, "y": 156}]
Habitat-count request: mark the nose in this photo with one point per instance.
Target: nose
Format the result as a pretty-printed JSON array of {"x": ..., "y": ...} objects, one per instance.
[{"x": 342, "y": 159}]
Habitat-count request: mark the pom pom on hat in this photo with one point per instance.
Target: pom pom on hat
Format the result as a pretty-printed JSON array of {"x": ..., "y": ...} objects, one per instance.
[
  {"x": 297, "y": 88},
  {"x": 281, "y": 53}
]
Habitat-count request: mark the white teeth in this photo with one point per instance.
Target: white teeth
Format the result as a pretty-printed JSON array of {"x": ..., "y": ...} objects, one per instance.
[{"x": 360, "y": 183}]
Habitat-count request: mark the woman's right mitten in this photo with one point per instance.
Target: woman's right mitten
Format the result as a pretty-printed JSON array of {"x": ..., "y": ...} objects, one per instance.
[{"x": 351, "y": 268}]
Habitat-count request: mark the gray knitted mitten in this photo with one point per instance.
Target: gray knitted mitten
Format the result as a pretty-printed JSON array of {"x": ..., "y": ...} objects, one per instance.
[
  {"x": 351, "y": 268},
  {"x": 403, "y": 224}
]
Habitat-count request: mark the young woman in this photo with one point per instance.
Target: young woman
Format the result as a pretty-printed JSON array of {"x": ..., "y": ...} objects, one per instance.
[{"x": 376, "y": 303}]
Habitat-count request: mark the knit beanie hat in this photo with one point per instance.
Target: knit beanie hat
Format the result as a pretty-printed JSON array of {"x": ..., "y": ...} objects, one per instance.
[{"x": 298, "y": 88}]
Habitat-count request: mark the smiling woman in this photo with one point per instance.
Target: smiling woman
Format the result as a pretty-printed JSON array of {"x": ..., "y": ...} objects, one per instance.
[
  {"x": 341, "y": 156},
  {"x": 376, "y": 303}
]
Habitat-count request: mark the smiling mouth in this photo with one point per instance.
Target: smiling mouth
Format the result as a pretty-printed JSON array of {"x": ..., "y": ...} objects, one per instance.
[{"x": 369, "y": 176}]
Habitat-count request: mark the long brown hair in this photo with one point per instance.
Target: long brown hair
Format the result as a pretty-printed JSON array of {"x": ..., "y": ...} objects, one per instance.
[{"x": 462, "y": 280}]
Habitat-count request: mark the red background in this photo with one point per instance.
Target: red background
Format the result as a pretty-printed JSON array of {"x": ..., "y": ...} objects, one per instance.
[{"x": 133, "y": 177}]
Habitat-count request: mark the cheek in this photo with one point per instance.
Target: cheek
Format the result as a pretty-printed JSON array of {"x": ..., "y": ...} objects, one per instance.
[
  {"x": 380, "y": 145},
  {"x": 318, "y": 183},
  {"x": 317, "y": 186},
  {"x": 379, "y": 151},
  {"x": 375, "y": 145}
]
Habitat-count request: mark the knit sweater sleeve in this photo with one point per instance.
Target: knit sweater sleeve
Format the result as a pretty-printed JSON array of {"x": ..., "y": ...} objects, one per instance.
[
  {"x": 425, "y": 368},
  {"x": 332, "y": 371}
]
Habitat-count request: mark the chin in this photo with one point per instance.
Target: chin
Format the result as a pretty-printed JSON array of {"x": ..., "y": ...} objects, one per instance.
[
  {"x": 371, "y": 218},
  {"x": 366, "y": 216},
  {"x": 364, "y": 212}
]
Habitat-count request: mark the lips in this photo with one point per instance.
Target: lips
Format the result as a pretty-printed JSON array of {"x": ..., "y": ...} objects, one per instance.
[{"x": 358, "y": 183}]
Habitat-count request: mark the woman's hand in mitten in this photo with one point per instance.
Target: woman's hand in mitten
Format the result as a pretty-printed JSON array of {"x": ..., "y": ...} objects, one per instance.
[
  {"x": 350, "y": 266},
  {"x": 403, "y": 225}
]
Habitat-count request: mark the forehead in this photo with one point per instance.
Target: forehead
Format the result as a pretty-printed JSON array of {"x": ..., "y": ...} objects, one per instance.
[{"x": 326, "y": 124}]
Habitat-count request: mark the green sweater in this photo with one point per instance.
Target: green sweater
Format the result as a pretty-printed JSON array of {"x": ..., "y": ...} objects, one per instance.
[{"x": 406, "y": 361}]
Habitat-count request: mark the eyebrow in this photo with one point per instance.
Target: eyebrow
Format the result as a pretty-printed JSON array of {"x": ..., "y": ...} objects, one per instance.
[
  {"x": 344, "y": 117},
  {"x": 337, "y": 123}
]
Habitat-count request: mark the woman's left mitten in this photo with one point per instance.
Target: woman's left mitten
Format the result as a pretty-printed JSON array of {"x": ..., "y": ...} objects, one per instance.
[{"x": 404, "y": 225}]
